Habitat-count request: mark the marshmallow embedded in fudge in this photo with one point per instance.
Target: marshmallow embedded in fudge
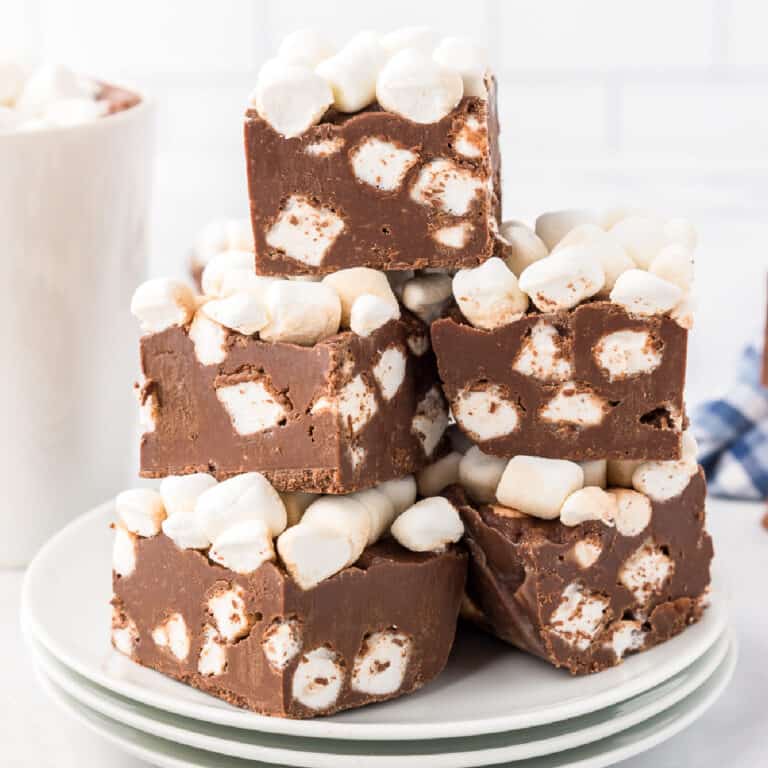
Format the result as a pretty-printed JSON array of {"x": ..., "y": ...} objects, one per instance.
[
  {"x": 589, "y": 503},
  {"x": 553, "y": 226},
  {"x": 350, "y": 284},
  {"x": 162, "y": 303},
  {"x": 427, "y": 295},
  {"x": 301, "y": 313},
  {"x": 488, "y": 295},
  {"x": 538, "y": 486},
  {"x": 290, "y": 97},
  {"x": 381, "y": 164},
  {"x": 485, "y": 414},
  {"x": 674, "y": 263},
  {"x": 643, "y": 293},
  {"x": 633, "y": 511},
  {"x": 141, "y": 511},
  {"x": 563, "y": 279},
  {"x": 480, "y": 473},
  {"x": 430, "y": 525},
  {"x": 626, "y": 353},
  {"x": 421, "y": 38},
  {"x": 305, "y": 46},
  {"x": 209, "y": 339},
  {"x": 369, "y": 313},
  {"x": 351, "y": 73},
  {"x": 642, "y": 237},
  {"x": 413, "y": 85},
  {"x": 242, "y": 312},
  {"x": 439, "y": 475},
  {"x": 380, "y": 666},
  {"x": 447, "y": 186},
  {"x": 249, "y": 496},
  {"x": 461, "y": 55},
  {"x": 542, "y": 354},
  {"x": 318, "y": 679},
  {"x": 521, "y": 246},
  {"x": 243, "y": 547}
]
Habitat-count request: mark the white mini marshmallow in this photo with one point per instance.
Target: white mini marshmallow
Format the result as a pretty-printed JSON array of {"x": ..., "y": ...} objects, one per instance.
[
  {"x": 305, "y": 46},
  {"x": 414, "y": 86},
  {"x": 380, "y": 509},
  {"x": 430, "y": 420},
  {"x": 324, "y": 147},
  {"x": 627, "y": 636},
  {"x": 579, "y": 616},
  {"x": 180, "y": 492},
  {"x": 480, "y": 474},
  {"x": 162, "y": 303},
  {"x": 553, "y": 226},
  {"x": 562, "y": 280},
  {"x": 50, "y": 83},
  {"x": 296, "y": 503},
  {"x": 318, "y": 679},
  {"x": 643, "y": 293},
  {"x": 381, "y": 164},
  {"x": 220, "y": 267},
  {"x": 663, "y": 480},
  {"x": 312, "y": 553},
  {"x": 401, "y": 492},
  {"x": 123, "y": 551},
  {"x": 620, "y": 472},
  {"x": 389, "y": 370},
  {"x": 444, "y": 185},
  {"x": 461, "y": 55},
  {"x": 427, "y": 295},
  {"x": 589, "y": 503},
  {"x": 605, "y": 247},
  {"x": 538, "y": 486},
  {"x": 290, "y": 97},
  {"x": 352, "y": 72},
  {"x": 380, "y": 665},
  {"x": 522, "y": 246},
  {"x": 249, "y": 496},
  {"x": 633, "y": 511},
  {"x": 183, "y": 528},
  {"x": 221, "y": 235},
  {"x": 430, "y": 525},
  {"x": 674, "y": 263},
  {"x": 571, "y": 406},
  {"x": 301, "y": 313},
  {"x": 209, "y": 339},
  {"x": 486, "y": 414},
  {"x": 455, "y": 235},
  {"x": 251, "y": 406},
  {"x": 345, "y": 514},
  {"x": 646, "y": 570},
  {"x": 595, "y": 472},
  {"x": 303, "y": 231},
  {"x": 141, "y": 510},
  {"x": 227, "y": 606},
  {"x": 438, "y": 475},
  {"x": 642, "y": 238},
  {"x": 352, "y": 283},
  {"x": 173, "y": 635},
  {"x": 543, "y": 354},
  {"x": 242, "y": 312},
  {"x": 681, "y": 232},
  {"x": 282, "y": 642},
  {"x": 627, "y": 353},
  {"x": 213, "y": 654},
  {"x": 586, "y": 552},
  {"x": 356, "y": 404},
  {"x": 243, "y": 547},
  {"x": 125, "y": 633},
  {"x": 488, "y": 295},
  {"x": 421, "y": 38}
]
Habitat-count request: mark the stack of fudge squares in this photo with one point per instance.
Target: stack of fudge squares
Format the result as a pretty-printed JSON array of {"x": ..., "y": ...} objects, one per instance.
[{"x": 387, "y": 408}]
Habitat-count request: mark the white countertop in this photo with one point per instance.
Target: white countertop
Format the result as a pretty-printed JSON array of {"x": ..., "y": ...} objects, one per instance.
[{"x": 35, "y": 734}]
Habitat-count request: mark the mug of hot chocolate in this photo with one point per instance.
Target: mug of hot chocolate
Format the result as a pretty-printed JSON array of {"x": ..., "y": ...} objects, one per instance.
[{"x": 75, "y": 171}]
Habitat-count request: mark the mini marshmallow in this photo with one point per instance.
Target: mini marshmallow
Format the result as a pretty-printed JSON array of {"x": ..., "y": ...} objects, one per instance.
[
  {"x": 180, "y": 492},
  {"x": 643, "y": 293},
  {"x": 242, "y": 312},
  {"x": 646, "y": 570},
  {"x": 421, "y": 38},
  {"x": 480, "y": 474},
  {"x": 562, "y": 280},
  {"x": 595, "y": 472},
  {"x": 352, "y": 283},
  {"x": 318, "y": 679},
  {"x": 290, "y": 97},
  {"x": 590, "y": 503},
  {"x": 380, "y": 509},
  {"x": 173, "y": 635},
  {"x": 281, "y": 642},
  {"x": 663, "y": 480},
  {"x": 642, "y": 238},
  {"x": 353, "y": 71},
  {"x": 183, "y": 528},
  {"x": 570, "y": 405},
  {"x": 681, "y": 232},
  {"x": 633, "y": 511},
  {"x": 252, "y": 406},
  {"x": 605, "y": 247},
  {"x": 538, "y": 486},
  {"x": 389, "y": 370},
  {"x": 586, "y": 553},
  {"x": 209, "y": 339},
  {"x": 627, "y": 353},
  {"x": 305, "y": 46},
  {"x": 123, "y": 551},
  {"x": 141, "y": 510},
  {"x": 427, "y": 295},
  {"x": 243, "y": 547},
  {"x": 219, "y": 268},
  {"x": 296, "y": 503},
  {"x": 674, "y": 263},
  {"x": 380, "y": 665},
  {"x": 213, "y": 654},
  {"x": 227, "y": 606},
  {"x": 430, "y": 420},
  {"x": 579, "y": 616},
  {"x": 301, "y": 313},
  {"x": 401, "y": 492},
  {"x": 162, "y": 303},
  {"x": 356, "y": 404},
  {"x": 430, "y": 525},
  {"x": 620, "y": 472},
  {"x": 414, "y": 86},
  {"x": 438, "y": 475},
  {"x": 447, "y": 186},
  {"x": 459, "y": 54},
  {"x": 50, "y": 83},
  {"x": 521, "y": 246},
  {"x": 543, "y": 354},
  {"x": 486, "y": 414},
  {"x": 345, "y": 514},
  {"x": 553, "y": 226},
  {"x": 313, "y": 553},
  {"x": 488, "y": 295},
  {"x": 249, "y": 496},
  {"x": 381, "y": 164}
]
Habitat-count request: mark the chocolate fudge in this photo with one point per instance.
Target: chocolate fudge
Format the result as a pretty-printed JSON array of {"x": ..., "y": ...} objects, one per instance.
[
  {"x": 584, "y": 596},
  {"x": 379, "y": 629},
  {"x": 344, "y": 414},
  {"x": 588, "y": 383},
  {"x": 375, "y": 189}
]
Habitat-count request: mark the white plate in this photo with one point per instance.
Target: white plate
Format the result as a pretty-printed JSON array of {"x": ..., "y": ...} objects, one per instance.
[
  {"x": 486, "y": 688},
  {"x": 166, "y": 754},
  {"x": 435, "y": 753}
]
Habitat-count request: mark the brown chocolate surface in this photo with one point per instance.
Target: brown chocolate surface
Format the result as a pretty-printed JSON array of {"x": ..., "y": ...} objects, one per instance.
[
  {"x": 418, "y": 595},
  {"x": 521, "y": 565},
  {"x": 383, "y": 229},
  {"x": 308, "y": 451},
  {"x": 644, "y": 413}
]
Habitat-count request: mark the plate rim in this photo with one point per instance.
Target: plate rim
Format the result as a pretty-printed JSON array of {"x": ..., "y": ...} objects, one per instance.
[{"x": 326, "y": 727}]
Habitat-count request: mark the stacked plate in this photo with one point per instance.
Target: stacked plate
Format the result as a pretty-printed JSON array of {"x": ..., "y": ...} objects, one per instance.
[{"x": 491, "y": 705}]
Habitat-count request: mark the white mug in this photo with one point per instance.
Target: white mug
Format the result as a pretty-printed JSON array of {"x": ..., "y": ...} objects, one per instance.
[{"x": 73, "y": 244}]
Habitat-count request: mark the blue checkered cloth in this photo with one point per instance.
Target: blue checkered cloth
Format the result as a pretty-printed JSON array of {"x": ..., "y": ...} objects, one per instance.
[{"x": 732, "y": 434}]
